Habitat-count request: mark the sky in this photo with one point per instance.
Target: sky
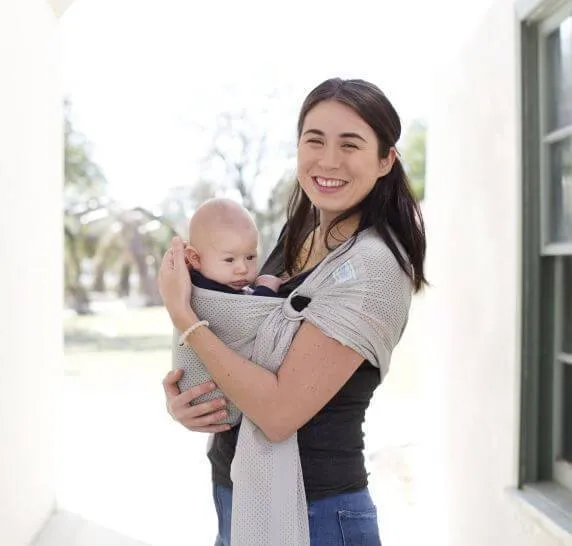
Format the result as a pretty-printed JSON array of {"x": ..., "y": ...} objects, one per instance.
[{"x": 148, "y": 78}]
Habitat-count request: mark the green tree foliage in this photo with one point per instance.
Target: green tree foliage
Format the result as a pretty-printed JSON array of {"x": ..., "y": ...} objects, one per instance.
[
  {"x": 104, "y": 240},
  {"x": 84, "y": 191},
  {"x": 83, "y": 179},
  {"x": 413, "y": 152}
]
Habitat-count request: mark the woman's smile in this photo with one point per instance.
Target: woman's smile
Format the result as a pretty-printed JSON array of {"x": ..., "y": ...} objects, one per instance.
[{"x": 329, "y": 185}]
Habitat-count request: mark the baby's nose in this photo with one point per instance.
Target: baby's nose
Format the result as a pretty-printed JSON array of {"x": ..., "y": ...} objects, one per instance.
[{"x": 240, "y": 266}]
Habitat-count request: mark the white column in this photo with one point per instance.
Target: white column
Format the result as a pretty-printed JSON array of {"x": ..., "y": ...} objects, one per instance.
[{"x": 30, "y": 264}]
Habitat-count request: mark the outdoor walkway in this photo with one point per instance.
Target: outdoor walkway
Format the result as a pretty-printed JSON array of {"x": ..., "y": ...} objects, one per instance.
[
  {"x": 66, "y": 529},
  {"x": 130, "y": 476}
]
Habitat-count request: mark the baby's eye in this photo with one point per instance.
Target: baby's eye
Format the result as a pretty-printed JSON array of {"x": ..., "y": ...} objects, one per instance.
[
  {"x": 252, "y": 257},
  {"x": 229, "y": 260}
]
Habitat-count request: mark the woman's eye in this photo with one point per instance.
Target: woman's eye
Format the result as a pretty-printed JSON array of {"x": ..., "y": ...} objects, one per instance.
[
  {"x": 349, "y": 145},
  {"x": 314, "y": 141}
]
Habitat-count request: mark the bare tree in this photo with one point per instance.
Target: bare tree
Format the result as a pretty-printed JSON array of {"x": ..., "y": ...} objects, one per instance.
[
  {"x": 245, "y": 159},
  {"x": 181, "y": 201},
  {"x": 84, "y": 185},
  {"x": 130, "y": 241}
]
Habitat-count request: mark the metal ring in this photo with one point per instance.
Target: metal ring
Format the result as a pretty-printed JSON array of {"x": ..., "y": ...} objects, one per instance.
[{"x": 289, "y": 312}]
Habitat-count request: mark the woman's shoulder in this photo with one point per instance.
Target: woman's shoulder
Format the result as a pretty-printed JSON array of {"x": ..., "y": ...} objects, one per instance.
[
  {"x": 374, "y": 245},
  {"x": 376, "y": 253}
]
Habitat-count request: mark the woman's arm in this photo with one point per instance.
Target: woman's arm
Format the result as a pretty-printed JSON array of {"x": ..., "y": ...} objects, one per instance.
[
  {"x": 314, "y": 370},
  {"x": 315, "y": 367}
]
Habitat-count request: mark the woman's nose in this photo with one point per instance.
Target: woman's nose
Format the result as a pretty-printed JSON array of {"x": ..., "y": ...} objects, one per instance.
[{"x": 330, "y": 158}]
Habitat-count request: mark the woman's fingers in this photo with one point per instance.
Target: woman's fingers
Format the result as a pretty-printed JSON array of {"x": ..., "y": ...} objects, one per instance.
[
  {"x": 203, "y": 417},
  {"x": 173, "y": 392},
  {"x": 178, "y": 253},
  {"x": 170, "y": 383},
  {"x": 166, "y": 265},
  {"x": 211, "y": 428},
  {"x": 204, "y": 408},
  {"x": 179, "y": 402},
  {"x": 185, "y": 398},
  {"x": 191, "y": 421},
  {"x": 173, "y": 280},
  {"x": 167, "y": 261}
]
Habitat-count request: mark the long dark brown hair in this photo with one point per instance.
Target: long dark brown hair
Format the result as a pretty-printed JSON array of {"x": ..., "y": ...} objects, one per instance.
[{"x": 390, "y": 207}]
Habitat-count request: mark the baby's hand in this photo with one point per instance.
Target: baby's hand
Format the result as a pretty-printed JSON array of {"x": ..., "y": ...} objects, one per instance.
[{"x": 270, "y": 281}]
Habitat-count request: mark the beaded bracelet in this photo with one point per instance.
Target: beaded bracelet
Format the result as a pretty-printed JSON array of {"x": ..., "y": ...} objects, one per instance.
[{"x": 190, "y": 330}]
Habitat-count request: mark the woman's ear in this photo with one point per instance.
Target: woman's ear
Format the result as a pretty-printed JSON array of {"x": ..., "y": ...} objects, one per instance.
[
  {"x": 386, "y": 163},
  {"x": 192, "y": 257}
]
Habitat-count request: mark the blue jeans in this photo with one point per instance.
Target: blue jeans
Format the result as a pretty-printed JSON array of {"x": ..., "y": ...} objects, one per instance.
[{"x": 347, "y": 519}]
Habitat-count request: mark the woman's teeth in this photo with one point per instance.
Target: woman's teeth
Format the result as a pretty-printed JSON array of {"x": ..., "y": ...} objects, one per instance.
[{"x": 329, "y": 182}]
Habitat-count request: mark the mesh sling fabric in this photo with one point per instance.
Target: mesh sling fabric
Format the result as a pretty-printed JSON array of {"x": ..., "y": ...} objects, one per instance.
[{"x": 359, "y": 297}]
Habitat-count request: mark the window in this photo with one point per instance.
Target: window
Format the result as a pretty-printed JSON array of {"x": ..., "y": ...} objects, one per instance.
[{"x": 546, "y": 439}]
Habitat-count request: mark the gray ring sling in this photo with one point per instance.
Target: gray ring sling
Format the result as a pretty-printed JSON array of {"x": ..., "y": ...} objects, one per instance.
[{"x": 359, "y": 297}]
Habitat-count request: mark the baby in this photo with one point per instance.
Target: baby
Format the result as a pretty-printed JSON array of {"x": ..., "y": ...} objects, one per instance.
[{"x": 222, "y": 250}]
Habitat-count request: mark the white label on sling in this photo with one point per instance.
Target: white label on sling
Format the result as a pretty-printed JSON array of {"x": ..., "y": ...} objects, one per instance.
[{"x": 344, "y": 273}]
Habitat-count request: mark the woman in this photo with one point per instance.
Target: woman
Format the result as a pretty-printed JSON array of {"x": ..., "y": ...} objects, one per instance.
[{"x": 349, "y": 180}]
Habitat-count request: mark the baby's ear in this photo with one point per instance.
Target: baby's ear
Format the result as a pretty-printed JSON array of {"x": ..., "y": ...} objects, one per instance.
[{"x": 192, "y": 257}]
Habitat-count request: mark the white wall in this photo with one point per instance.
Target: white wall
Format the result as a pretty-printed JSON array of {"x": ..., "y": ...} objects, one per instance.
[
  {"x": 31, "y": 262},
  {"x": 472, "y": 313}
]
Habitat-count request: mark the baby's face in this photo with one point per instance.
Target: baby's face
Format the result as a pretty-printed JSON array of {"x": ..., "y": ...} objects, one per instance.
[{"x": 230, "y": 258}]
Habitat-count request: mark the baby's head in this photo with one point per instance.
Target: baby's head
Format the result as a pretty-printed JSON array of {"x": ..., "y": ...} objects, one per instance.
[{"x": 223, "y": 243}]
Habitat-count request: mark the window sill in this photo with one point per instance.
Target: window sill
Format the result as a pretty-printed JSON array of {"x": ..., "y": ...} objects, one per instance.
[{"x": 549, "y": 505}]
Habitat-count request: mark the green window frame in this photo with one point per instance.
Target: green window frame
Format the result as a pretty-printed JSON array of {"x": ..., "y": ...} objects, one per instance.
[{"x": 546, "y": 411}]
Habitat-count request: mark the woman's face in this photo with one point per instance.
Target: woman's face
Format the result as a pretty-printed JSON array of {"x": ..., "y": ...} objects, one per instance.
[{"x": 338, "y": 161}]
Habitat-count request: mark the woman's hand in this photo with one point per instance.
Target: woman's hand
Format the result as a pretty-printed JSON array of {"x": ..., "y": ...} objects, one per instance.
[
  {"x": 174, "y": 280},
  {"x": 200, "y": 418}
]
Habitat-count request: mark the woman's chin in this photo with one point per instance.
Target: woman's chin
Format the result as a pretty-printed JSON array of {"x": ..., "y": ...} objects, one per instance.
[{"x": 328, "y": 205}]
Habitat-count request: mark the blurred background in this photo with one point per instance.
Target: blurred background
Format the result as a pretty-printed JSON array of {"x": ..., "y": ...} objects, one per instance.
[{"x": 162, "y": 111}]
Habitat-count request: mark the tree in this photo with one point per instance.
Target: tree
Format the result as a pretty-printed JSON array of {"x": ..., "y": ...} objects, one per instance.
[
  {"x": 243, "y": 160},
  {"x": 414, "y": 153},
  {"x": 130, "y": 242},
  {"x": 124, "y": 243},
  {"x": 85, "y": 188},
  {"x": 181, "y": 201},
  {"x": 83, "y": 178}
]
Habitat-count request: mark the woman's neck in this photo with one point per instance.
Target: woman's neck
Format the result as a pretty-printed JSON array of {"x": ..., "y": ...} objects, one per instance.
[
  {"x": 314, "y": 249},
  {"x": 339, "y": 233}
]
